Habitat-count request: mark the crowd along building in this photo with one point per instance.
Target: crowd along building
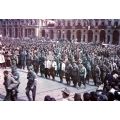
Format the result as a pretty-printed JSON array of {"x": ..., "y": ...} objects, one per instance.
[{"x": 81, "y": 30}]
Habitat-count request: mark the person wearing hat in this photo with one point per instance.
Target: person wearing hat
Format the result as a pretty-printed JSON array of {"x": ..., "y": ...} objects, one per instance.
[
  {"x": 31, "y": 84},
  {"x": 65, "y": 94}
]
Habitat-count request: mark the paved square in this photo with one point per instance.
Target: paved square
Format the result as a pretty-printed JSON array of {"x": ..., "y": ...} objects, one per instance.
[{"x": 44, "y": 87}]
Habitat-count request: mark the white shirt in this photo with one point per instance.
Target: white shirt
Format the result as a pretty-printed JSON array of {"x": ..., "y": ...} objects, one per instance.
[
  {"x": 47, "y": 64},
  {"x": 2, "y": 58},
  {"x": 54, "y": 64},
  {"x": 63, "y": 66}
]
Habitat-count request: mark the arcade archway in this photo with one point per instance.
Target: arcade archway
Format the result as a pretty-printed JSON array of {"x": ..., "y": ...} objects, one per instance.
[
  {"x": 51, "y": 34},
  {"x": 16, "y": 32},
  {"x": 115, "y": 37},
  {"x": 69, "y": 35},
  {"x": 90, "y": 36},
  {"x": 78, "y": 36},
  {"x": 102, "y": 36},
  {"x": 4, "y": 32},
  {"x": 43, "y": 33}
]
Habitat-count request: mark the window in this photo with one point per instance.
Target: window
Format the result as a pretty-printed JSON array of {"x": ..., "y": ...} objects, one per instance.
[
  {"x": 109, "y": 23},
  {"x": 96, "y": 23},
  {"x": 116, "y": 23},
  {"x": 103, "y": 23},
  {"x": 68, "y": 24}
]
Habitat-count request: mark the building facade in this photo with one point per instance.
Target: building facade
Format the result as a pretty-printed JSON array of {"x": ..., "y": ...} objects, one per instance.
[
  {"x": 18, "y": 28},
  {"x": 81, "y": 30}
]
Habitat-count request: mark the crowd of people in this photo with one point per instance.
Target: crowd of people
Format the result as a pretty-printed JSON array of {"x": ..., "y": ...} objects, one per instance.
[{"x": 77, "y": 63}]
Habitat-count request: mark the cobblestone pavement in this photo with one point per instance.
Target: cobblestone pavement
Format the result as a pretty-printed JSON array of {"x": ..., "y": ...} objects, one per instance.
[{"x": 44, "y": 87}]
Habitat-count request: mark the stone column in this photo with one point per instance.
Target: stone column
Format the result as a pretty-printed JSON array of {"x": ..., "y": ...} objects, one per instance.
[
  {"x": 111, "y": 35},
  {"x": 106, "y": 36},
  {"x": 86, "y": 37},
  {"x": 61, "y": 34},
  {"x": 110, "y": 39},
  {"x": 65, "y": 35},
  {"x": 93, "y": 35},
  {"x": 55, "y": 37},
  {"x": 38, "y": 33},
  {"x": 75, "y": 32},
  {"x": 23, "y": 34},
  {"x": 82, "y": 35},
  {"x": 98, "y": 36}
]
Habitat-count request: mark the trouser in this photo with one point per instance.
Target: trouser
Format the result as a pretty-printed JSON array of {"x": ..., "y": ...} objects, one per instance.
[
  {"x": 57, "y": 72},
  {"x": 61, "y": 74},
  {"x": 33, "y": 90},
  {"x": 75, "y": 80},
  {"x": 88, "y": 76},
  {"x": 8, "y": 95},
  {"x": 102, "y": 76},
  {"x": 11, "y": 95},
  {"x": 22, "y": 64},
  {"x": 36, "y": 68},
  {"x": 96, "y": 80},
  {"x": 52, "y": 72},
  {"x": 82, "y": 80},
  {"x": 67, "y": 76},
  {"x": 47, "y": 73}
]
